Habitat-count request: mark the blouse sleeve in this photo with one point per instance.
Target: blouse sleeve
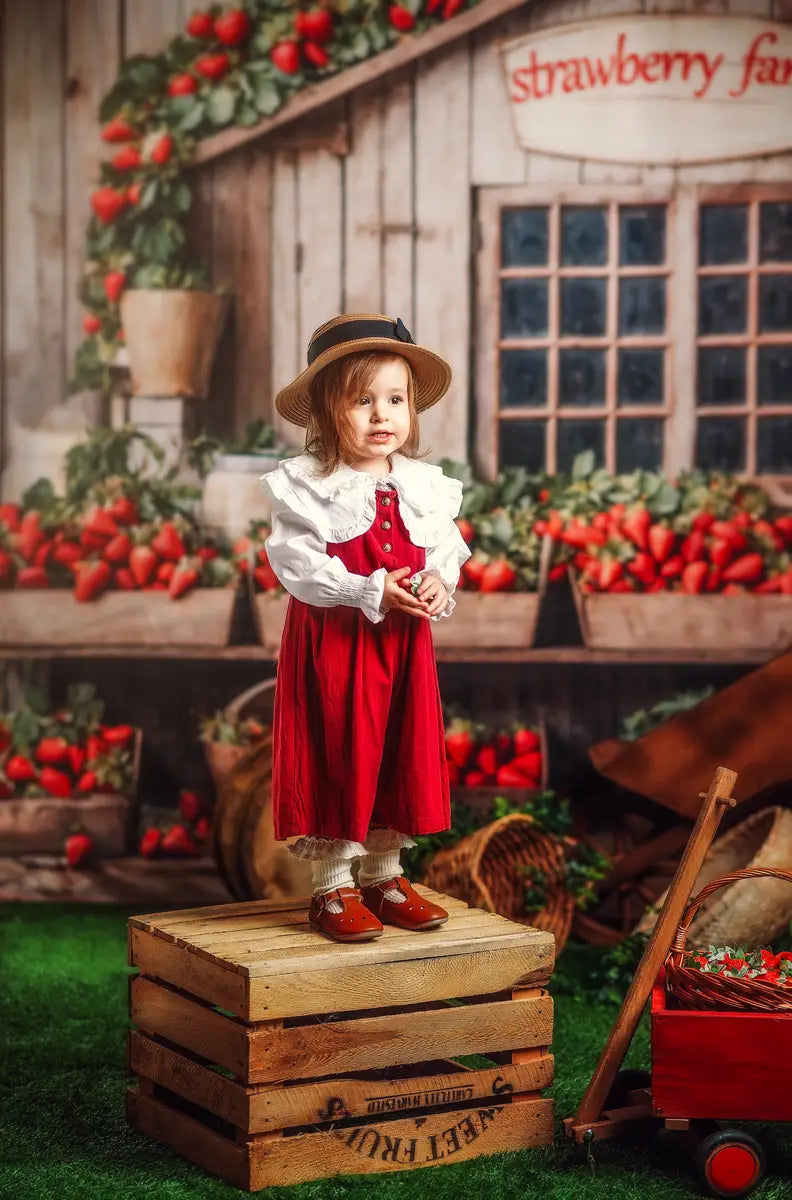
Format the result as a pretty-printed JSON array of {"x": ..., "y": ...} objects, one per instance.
[
  {"x": 298, "y": 555},
  {"x": 447, "y": 557}
]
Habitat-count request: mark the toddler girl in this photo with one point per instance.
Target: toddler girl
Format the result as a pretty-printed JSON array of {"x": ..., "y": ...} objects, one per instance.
[{"x": 364, "y": 540}]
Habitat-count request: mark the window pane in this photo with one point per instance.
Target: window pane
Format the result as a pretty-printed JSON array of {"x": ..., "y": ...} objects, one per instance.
[
  {"x": 721, "y": 375},
  {"x": 775, "y": 375},
  {"x": 639, "y": 443},
  {"x": 523, "y": 378},
  {"x": 575, "y": 436},
  {"x": 720, "y": 443},
  {"x": 642, "y": 305},
  {"x": 523, "y": 307},
  {"x": 722, "y": 304},
  {"x": 774, "y": 446},
  {"x": 775, "y": 303},
  {"x": 522, "y": 444},
  {"x": 723, "y": 233},
  {"x": 641, "y": 376},
  {"x": 584, "y": 237},
  {"x": 642, "y": 236},
  {"x": 524, "y": 237},
  {"x": 775, "y": 236},
  {"x": 583, "y": 307},
  {"x": 581, "y": 377}
]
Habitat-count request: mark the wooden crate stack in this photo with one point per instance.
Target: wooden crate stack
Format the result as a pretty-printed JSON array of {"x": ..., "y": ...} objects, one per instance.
[{"x": 269, "y": 1055}]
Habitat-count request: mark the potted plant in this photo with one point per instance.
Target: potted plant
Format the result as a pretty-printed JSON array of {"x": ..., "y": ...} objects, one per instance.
[{"x": 232, "y": 494}]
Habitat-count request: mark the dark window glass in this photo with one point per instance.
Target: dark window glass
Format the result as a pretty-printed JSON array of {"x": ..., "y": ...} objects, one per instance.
[
  {"x": 642, "y": 305},
  {"x": 774, "y": 446},
  {"x": 775, "y": 303},
  {"x": 640, "y": 376},
  {"x": 639, "y": 443},
  {"x": 775, "y": 232},
  {"x": 522, "y": 444},
  {"x": 775, "y": 375},
  {"x": 581, "y": 377},
  {"x": 723, "y": 234},
  {"x": 523, "y": 307},
  {"x": 720, "y": 443},
  {"x": 583, "y": 307},
  {"x": 524, "y": 237},
  {"x": 642, "y": 236},
  {"x": 523, "y": 378},
  {"x": 721, "y": 375},
  {"x": 722, "y": 304},
  {"x": 576, "y": 436},
  {"x": 584, "y": 237}
]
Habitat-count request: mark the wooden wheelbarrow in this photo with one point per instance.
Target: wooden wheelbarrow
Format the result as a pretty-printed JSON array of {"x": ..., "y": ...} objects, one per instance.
[{"x": 707, "y": 1066}]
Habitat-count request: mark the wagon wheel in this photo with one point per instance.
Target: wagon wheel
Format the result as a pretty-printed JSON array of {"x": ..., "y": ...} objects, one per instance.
[{"x": 730, "y": 1163}]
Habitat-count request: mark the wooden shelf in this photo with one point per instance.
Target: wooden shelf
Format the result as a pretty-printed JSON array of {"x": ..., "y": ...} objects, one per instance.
[{"x": 539, "y": 654}]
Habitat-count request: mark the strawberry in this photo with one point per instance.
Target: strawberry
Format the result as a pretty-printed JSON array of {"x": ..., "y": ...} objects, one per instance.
[
  {"x": 661, "y": 542},
  {"x": 693, "y": 577},
  {"x": 178, "y": 840},
  {"x": 529, "y": 763},
  {"x": 79, "y": 848},
  {"x": 577, "y": 533},
  {"x": 472, "y": 571},
  {"x": 703, "y": 521},
  {"x": 213, "y": 66},
  {"x": 100, "y": 522},
  {"x": 91, "y": 579},
  {"x": 202, "y": 829},
  {"x": 142, "y": 561},
  {"x": 783, "y": 526},
  {"x": 286, "y": 57},
  {"x": 769, "y": 585},
  {"x": 52, "y": 750},
  {"x": 127, "y": 159},
  {"x": 124, "y": 511},
  {"x": 19, "y": 769},
  {"x": 207, "y": 553},
  {"x": 133, "y": 194},
  {"x": 459, "y": 742},
  {"x": 635, "y": 526},
  {"x": 434, "y": 5},
  {"x": 118, "y": 548},
  {"x": 525, "y": 741},
  {"x": 504, "y": 746},
  {"x": 672, "y": 567},
  {"x": 6, "y": 568},
  {"x": 67, "y": 553},
  {"x": 498, "y": 576},
  {"x": 729, "y": 531},
  {"x": 316, "y": 24},
  {"x": 487, "y": 760},
  {"x": 622, "y": 585},
  {"x": 558, "y": 572},
  {"x": 167, "y": 543},
  {"x": 10, "y": 516},
  {"x": 610, "y": 570},
  {"x": 76, "y": 757},
  {"x": 200, "y": 25},
  {"x": 315, "y": 54},
  {"x": 30, "y": 535},
  {"x": 162, "y": 150},
  {"x": 693, "y": 546},
  {"x": 118, "y": 130},
  {"x": 642, "y": 567},
  {"x": 32, "y": 577},
  {"x": 107, "y": 203},
  {"x": 509, "y": 776},
  {"x": 232, "y": 28},
  {"x": 95, "y": 747},
  {"x": 116, "y": 735},
  {"x": 748, "y": 568},
  {"x": 466, "y": 529},
  {"x": 190, "y": 805},
  {"x": 451, "y": 8},
  {"x": 401, "y": 18},
  {"x": 476, "y": 778},
  {"x": 87, "y": 783},
  {"x": 43, "y": 554},
  {"x": 150, "y": 842},
  {"x": 125, "y": 580},
  {"x": 182, "y": 85},
  {"x": 91, "y": 323},
  {"x": 56, "y": 783},
  {"x": 721, "y": 552},
  {"x": 266, "y": 578},
  {"x": 184, "y": 578},
  {"x": 113, "y": 284},
  {"x": 165, "y": 571},
  {"x": 714, "y": 579}
]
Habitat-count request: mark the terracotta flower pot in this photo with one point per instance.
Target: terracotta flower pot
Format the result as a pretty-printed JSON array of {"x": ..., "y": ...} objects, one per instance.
[{"x": 172, "y": 338}]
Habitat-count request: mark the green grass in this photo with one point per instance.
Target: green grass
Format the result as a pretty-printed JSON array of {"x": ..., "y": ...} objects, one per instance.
[{"x": 63, "y": 996}]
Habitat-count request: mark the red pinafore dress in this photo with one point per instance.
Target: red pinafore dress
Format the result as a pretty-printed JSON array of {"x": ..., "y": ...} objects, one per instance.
[{"x": 358, "y": 737}]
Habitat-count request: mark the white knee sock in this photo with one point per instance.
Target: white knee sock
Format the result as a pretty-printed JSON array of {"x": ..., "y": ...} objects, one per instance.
[
  {"x": 376, "y": 867},
  {"x": 327, "y": 875}
]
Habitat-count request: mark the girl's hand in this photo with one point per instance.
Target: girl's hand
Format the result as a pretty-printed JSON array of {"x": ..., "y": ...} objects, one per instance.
[
  {"x": 395, "y": 595},
  {"x": 432, "y": 589}
]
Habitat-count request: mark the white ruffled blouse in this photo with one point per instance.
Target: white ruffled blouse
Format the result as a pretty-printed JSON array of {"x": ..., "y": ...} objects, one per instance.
[{"x": 308, "y": 511}]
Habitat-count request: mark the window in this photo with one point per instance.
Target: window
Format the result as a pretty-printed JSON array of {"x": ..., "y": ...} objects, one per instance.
[{"x": 652, "y": 328}]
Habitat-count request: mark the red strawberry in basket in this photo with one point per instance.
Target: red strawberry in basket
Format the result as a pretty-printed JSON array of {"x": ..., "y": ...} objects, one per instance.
[
  {"x": 178, "y": 840},
  {"x": 79, "y": 848},
  {"x": 150, "y": 842},
  {"x": 526, "y": 740},
  {"x": 190, "y": 805},
  {"x": 459, "y": 742}
]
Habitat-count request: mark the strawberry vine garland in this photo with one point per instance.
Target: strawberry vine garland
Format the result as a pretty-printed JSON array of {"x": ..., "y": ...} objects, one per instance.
[
  {"x": 737, "y": 963},
  {"x": 230, "y": 66}
]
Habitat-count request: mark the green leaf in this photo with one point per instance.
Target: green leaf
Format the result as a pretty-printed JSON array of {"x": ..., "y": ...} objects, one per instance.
[
  {"x": 246, "y": 116},
  {"x": 182, "y": 197},
  {"x": 267, "y": 96},
  {"x": 193, "y": 116},
  {"x": 583, "y": 465},
  {"x": 220, "y": 105},
  {"x": 149, "y": 194}
]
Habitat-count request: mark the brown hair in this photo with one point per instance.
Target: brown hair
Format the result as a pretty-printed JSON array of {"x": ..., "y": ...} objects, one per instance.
[{"x": 327, "y": 434}]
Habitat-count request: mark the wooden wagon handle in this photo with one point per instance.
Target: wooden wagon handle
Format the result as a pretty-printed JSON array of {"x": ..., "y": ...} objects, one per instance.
[{"x": 680, "y": 937}]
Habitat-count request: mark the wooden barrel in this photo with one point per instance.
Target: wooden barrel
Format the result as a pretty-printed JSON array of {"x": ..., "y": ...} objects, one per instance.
[{"x": 250, "y": 861}]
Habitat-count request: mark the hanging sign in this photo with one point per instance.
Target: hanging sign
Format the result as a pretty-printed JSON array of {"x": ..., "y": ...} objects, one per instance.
[{"x": 664, "y": 89}]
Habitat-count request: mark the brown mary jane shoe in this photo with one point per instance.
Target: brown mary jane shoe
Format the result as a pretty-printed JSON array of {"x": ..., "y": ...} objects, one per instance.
[
  {"x": 414, "y": 912},
  {"x": 354, "y": 924}
]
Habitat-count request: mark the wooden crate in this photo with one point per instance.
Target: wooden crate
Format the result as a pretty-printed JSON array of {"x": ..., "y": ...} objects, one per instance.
[
  {"x": 56, "y": 618},
  {"x": 270, "y": 1055},
  {"x": 269, "y": 616},
  {"x": 719, "y": 1065},
  {"x": 675, "y": 621}
]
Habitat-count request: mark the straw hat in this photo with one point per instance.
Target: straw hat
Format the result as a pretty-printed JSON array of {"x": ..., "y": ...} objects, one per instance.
[{"x": 355, "y": 332}]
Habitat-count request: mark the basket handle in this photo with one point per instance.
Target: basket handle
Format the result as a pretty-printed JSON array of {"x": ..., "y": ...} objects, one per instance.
[{"x": 678, "y": 946}]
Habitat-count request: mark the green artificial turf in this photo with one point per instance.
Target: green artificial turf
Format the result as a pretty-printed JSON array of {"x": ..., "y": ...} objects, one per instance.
[{"x": 63, "y": 997}]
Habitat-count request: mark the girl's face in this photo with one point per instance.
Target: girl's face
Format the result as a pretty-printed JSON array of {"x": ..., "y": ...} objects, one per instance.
[{"x": 379, "y": 417}]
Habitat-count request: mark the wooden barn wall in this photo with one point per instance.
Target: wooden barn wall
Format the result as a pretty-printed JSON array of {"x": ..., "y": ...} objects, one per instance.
[{"x": 299, "y": 234}]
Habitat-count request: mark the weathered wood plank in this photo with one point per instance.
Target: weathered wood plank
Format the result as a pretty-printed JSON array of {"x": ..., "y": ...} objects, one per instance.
[
  {"x": 363, "y": 197},
  {"x": 189, "y": 1138},
  {"x": 496, "y": 157},
  {"x": 288, "y": 357},
  {"x": 320, "y": 226},
  {"x": 164, "y": 960},
  {"x": 398, "y": 215},
  {"x": 149, "y": 25}
]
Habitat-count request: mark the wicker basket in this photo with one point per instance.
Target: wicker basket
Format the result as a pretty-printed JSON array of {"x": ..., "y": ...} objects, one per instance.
[
  {"x": 709, "y": 990},
  {"x": 484, "y": 869}
]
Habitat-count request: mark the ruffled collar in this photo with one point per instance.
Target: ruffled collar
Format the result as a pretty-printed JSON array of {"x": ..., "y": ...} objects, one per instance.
[{"x": 407, "y": 475}]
